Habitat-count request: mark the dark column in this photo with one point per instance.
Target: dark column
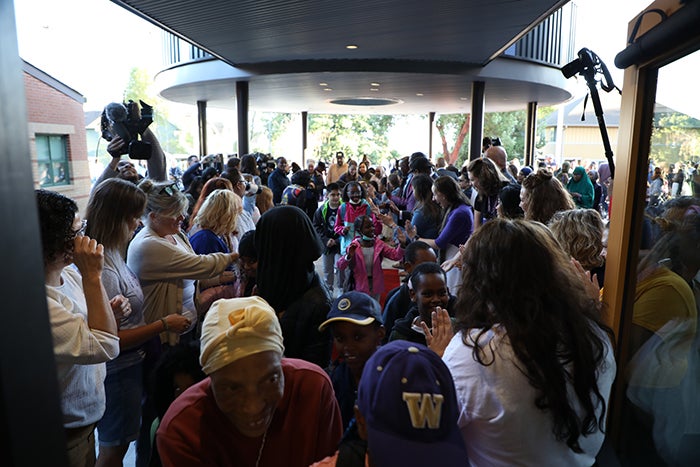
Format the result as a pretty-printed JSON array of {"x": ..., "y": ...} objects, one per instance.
[
  {"x": 477, "y": 120},
  {"x": 431, "y": 120},
  {"x": 530, "y": 133},
  {"x": 242, "y": 113},
  {"x": 202, "y": 124},
  {"x": 304, "y": 129},
  {"x": 31, "y": 424}
]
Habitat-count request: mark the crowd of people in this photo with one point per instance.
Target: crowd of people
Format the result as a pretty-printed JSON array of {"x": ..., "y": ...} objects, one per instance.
[{"x": 192, "y": 319}]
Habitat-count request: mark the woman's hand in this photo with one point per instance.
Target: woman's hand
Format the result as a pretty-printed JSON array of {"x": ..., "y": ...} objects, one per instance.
[
  {"x": 177, "y": 323},
  {"x": 116, "y": 147},
  {"x": 441, "y": 334},
  {"x": 234, "y": 257},
  {"x": 120, "y": 307},
  {"x": 227, "y": 277},
  {"x": 411, "y": 231},
  {"x": 387, "y": 220},
  {"x": 401, "y": 236},
  {"x": 88, "y": 256},
  {"x": 590, "y": 284}
]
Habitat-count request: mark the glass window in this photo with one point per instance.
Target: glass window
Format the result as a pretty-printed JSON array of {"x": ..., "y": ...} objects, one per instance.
[
  {"x": 661, "y": 407},
  {"x": 52, "y": 158}
]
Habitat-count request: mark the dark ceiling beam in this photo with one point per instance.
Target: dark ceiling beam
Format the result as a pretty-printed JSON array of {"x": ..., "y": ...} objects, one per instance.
[{"x": 359, "y": 65}]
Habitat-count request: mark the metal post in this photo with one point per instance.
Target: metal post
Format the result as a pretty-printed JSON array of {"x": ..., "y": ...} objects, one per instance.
[
  {"x": 242, "y": 114},
  {"x": 477, "y": 123},
  {"x": 431, "y": 121},
  {"x": 530, "y": 133},
  {"x": 304, "y": 129},
  {"x": 202, "y": 124}
]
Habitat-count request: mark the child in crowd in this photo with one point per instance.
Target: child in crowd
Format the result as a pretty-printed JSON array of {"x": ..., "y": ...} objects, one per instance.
[
  {"x": 428, "y": 291},
  {"x": 364, "y": 257},
  {"x": 398, "y": 300},
  {"x": 406, "y": 413},
  {"x": 324, "y": 224},
  {"x": 355, "y": 204},
  {"x": 248, "y": 263},
  {"x": 356, "y": 326}
]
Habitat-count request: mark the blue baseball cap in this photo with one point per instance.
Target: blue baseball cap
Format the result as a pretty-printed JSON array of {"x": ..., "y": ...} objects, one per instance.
[
  {"x": 354, "y": 307},
  {"x": 407, "y": 397}
]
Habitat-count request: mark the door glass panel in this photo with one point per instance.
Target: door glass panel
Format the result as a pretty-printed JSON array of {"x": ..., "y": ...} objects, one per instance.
[{"x": 661, "y": 414}]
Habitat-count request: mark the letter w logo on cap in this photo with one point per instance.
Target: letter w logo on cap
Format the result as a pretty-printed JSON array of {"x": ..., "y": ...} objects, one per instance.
[{"x": 424, "y": 409}]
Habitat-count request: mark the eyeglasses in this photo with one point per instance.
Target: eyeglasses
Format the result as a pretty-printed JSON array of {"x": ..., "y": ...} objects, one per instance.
[
  {"x": 81, "y": 231},
  {"x": 169, "y": 190}
]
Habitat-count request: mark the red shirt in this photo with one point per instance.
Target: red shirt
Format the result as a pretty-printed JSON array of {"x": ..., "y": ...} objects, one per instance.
[{"x": 306, "y": 426}]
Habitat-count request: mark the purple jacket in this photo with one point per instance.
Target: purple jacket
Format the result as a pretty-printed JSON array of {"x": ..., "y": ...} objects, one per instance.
[{"x": 381, "y": 251}]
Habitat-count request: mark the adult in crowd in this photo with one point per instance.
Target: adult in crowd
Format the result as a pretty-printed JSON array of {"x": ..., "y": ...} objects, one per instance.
[
  {"x": 125, "y": 169},
  {"x": 242, "y": 188},
  {"x": 580, "y": 234},
  {"x": 278, "y": 180},
  {"x": 418, "y": 163},
  {"x": 287, "y": 247},
  {"x": 488, "y": 181},
  {"x": 427, "y": 214},
  {"x": 509, "y": 202},
  {"x": 83, "y": 324},
  {"x": 263, "y": 201},
  {"x": 656, "y": 187},
  {"x": 217, "y": 221},
  {"x": 324, "y": 224},
  {"x": 337, "y": 169},
  {"x": 113, "y": 213},
  {"x": 216, "y": 183},
  {"x": 457, "y": 225},
  {"x": 249, "y": 167},
  {"x": 249, "y": 411},
  {"x": 597, "y": 189},
  {"x": 350, "y": 175},
  {"x": 581, "y": 188},
  {"x": 363, "y": 172},
  {"x": 532, "y": 363},
  {"x": 498, "y": 155},
  {"x": 542, "y": 195},
  {"x": 162, "y": 258}
]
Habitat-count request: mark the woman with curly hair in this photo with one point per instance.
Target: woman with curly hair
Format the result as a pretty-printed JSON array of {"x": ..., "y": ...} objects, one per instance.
[
  {"x": 83, "y": 324},
  {"x": 488, "y": 181},
  {"x": 532, "y": 363},
  {"x": 542, "y": 195},
  {"x": 217, "y": 222},
  {"x": 580, "y": 234}
]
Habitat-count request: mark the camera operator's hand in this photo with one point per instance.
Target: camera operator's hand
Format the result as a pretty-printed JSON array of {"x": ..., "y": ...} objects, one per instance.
[{"x": 117, "y": 147}]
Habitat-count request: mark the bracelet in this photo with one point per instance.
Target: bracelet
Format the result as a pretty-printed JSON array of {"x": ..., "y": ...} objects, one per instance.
[{"x": 166, "y": 328}]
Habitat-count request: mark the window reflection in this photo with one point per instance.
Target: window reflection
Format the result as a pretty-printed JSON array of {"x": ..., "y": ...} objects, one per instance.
[{"x": 662, "y": 379}]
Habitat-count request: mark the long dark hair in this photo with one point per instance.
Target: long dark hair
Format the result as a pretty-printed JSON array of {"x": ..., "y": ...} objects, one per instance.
[
  {"x": 520, "y": 278},
  {"x": 423, "y": 193},
  {"x": 56, "y": 216}
]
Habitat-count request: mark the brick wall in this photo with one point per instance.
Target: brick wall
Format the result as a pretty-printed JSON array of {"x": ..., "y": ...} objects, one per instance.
[{"x": 50, "y": 111}]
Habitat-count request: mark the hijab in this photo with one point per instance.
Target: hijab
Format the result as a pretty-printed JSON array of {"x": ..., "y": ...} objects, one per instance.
[
  {"x": 584, "y": 187},
  {"x": 287, "y": 246}
]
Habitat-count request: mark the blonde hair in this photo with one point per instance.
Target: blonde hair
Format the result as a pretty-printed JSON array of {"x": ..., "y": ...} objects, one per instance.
[
  {"x": 164, "y": 198},
  {"x": 219, "y": 212},
  {"x": 580, "y": 234},
  {"x": 264, "y": 200}
]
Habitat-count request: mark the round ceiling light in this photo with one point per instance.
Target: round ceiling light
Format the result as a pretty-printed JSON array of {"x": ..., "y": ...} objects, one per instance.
[{"x": 365, "y": 101}]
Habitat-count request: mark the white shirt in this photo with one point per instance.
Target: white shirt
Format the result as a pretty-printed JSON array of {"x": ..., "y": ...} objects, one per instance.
[
  {"x": 499, "y": 421},
  {"x": 80, "y": 352}
]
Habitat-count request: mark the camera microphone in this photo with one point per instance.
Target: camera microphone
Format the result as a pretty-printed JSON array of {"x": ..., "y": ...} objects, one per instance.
[{"x": 116, "y": 112}]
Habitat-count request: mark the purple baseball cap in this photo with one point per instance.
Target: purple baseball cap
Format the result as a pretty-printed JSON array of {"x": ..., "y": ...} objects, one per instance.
[{"x": 407, "y": 397}]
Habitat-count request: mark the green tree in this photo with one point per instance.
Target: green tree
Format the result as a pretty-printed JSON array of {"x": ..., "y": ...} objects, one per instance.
[
  {"x": 510, "y": 128},
  {"x": 675, "y": 138},
  {"x": 356, "y": 135}
]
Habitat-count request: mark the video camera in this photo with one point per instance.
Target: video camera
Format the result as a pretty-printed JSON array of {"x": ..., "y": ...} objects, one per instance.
[
  {"x": 265, "y": 162},
  {"x": 129, "y": 122}
]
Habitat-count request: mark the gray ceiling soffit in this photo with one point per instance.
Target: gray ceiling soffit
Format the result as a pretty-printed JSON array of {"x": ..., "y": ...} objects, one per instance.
[{"x": 387, "y": 65}]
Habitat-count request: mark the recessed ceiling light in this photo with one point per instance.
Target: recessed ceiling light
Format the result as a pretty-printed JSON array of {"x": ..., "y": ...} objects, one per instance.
[
  {"x": 419, "y": 94},
  {"x": 327, "y": 89},
  {"x": 351, "y": 46},
  {"x": 374, "y": 84},
  {"x": 373, "y": 89},
  {"x": 323, "y": 84},
  {"x": 462, "y": 98}
]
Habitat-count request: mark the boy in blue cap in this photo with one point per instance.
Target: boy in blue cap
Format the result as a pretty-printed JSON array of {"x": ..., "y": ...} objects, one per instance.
[
  {"x": 406, "y": 412},
  {"x": 355, "y": 322}
]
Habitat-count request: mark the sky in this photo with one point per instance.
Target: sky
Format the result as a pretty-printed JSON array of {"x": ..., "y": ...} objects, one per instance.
[{"x": 91, "y": 45}]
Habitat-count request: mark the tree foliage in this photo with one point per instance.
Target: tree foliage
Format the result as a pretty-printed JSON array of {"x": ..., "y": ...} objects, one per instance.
[
  {"x": 355, "y": 135},
  {"x": 675, "y": 138}
]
